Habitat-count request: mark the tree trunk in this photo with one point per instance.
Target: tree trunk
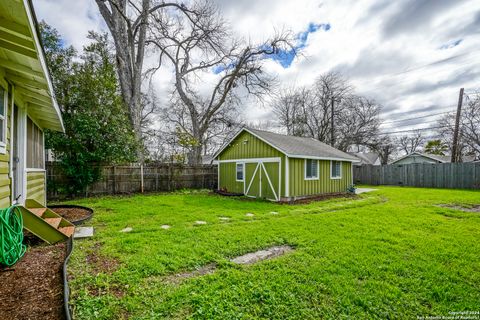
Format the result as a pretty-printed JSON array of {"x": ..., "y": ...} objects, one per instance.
[{"x": 195, "y": 155}]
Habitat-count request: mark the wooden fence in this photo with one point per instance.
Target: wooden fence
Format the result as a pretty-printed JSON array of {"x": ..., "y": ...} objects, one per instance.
[
  {"x": 442, "y": 175},
  {"x": 133, "y": 178}
]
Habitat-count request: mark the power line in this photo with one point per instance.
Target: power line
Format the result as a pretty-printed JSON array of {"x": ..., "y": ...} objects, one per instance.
[
  {"x": 408, "y": 119},
  {"x": 413, "y": 130}
]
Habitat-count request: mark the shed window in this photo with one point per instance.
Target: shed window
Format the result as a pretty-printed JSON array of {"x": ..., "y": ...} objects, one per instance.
[
  {"x": 239, "y": 171},
  {"x": 3, "y": 122},
  {"x": 35, "y": 155},
  {"x": 311, "y": 169},
  {"x": 336, "y": 169}
]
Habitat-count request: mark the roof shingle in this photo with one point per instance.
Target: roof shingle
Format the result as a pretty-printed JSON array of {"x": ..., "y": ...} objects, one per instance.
[{"x": 301, "y": 147}]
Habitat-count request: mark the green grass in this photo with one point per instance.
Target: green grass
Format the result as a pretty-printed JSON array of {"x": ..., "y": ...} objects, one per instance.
[{"x": 393, "y": 254}]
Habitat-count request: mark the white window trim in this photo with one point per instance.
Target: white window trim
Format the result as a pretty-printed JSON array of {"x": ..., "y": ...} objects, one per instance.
[
  {"x": 305, "y": 170},
  {"x": 243, "y": 171},
  {"x": 331, "y": 167},
  {"x": 3, "y": 144}
]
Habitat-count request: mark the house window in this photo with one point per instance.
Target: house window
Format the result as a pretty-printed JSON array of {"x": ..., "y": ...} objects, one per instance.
[
  {"x": 35, "y": 151},
  {"x": 240, "y": 171},
  {"x": 3, "y": 111},
  {"x": 335, "y": 169},
  {"x": 311, "y": 169}
]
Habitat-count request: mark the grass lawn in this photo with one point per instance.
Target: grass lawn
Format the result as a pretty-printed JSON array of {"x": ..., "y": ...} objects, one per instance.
[{"x": 392, "y": 254}]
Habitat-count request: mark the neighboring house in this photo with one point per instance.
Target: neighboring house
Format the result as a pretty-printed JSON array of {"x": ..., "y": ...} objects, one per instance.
[
  {"x": 268, "y": 165},
  {"x": 27, "y": 107},
  {"x": 371, "y": 158},
  {"x": 417, "y": 157}
]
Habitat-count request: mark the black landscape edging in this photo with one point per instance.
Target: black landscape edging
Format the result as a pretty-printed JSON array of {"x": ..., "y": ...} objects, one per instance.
[
  {"x": 77, "y": 222},
  {"x": 66, "y": 289}
]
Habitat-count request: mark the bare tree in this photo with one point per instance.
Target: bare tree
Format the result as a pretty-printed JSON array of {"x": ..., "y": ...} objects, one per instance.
[
  {"x": 201, "y": 44},
  {"x": 308, "y": 112},
  {"x": 287, "y": 107},
  {"x": 471, "y": 125},
  {"x": 358, "y": 122},
  {"x": 128, "y": 22},
  {"x": 469, "y": 133},
  {"x": 385, "y": 148},
  {"x": 411, "y": 143}
]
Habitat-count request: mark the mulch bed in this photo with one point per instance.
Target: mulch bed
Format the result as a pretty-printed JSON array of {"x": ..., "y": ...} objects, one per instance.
[
  {"x": 33, "y": 288},
  {"x": 72, "y": 214}
]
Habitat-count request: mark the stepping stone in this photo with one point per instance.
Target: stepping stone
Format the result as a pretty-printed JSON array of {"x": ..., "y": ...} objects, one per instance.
[
  {"x": 364, "y": 190},
  {"x": 200, "y": 222},
  {"x": 127, "y": 229},
  {"x": 83, "y": 232},
  {"x": 273, "y": 212},
  {"x": 260, "y": 255},
  {"x": 224, "y": 218},
  {"x": 165, "y": 226},
  {"x": 249, "y": 214}
]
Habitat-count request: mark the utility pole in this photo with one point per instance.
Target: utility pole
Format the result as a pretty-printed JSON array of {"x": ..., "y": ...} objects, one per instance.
[
  {"x": 457, "y": 125},
  {"x": 332, "y": 136}
]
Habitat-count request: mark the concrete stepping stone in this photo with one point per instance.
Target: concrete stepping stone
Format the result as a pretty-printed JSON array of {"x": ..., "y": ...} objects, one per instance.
[
  {"x": 165, "y": 226},
  {"x": 274, "y": 212},
  {"x": 249, "y": 214},
  {"x": 364, "y": 190},
  {"x": 260, "y": 255},
  {"x": 224, "y": 218},
  {"x": 200, "y": 222},
  {"x": 127, "y": 229},
  {"x": 83, "y": 232}
]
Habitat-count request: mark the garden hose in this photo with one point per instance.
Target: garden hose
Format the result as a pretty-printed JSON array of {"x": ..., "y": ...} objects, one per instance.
[{"x": 11, "y": 232}]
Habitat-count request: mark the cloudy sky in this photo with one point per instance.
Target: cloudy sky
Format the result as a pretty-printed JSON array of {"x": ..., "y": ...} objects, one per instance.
[{"x": 412, "y": 56}]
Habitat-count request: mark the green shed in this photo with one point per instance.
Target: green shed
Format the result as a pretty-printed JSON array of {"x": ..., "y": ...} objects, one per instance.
[{"x": 262, "y": 164}]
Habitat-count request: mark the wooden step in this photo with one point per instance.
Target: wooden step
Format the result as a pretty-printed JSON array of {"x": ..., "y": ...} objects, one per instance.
[
  {"x": 38, "y": 211},
  {"x": 54, "y": 222},
  {"x": 68, "y": 231}
]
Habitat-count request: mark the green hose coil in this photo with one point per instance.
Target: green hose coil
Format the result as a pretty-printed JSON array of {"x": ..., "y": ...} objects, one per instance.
[{"x": 11, "y": 232}]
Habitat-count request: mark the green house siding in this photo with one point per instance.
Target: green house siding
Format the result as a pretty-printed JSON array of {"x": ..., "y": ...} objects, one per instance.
[
  {"x": 36, "y": 186},
  {"x": 247, "y": 146},
  {"x": 228, "y": 177},
  {"x": 298, "y": 186}
]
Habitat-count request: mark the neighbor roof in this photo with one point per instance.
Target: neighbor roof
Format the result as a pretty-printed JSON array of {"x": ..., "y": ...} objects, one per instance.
[
  {"x": 366, "y": 157},
  {"x": 296, "y": 147},
  {"x": 441, "y": 159}
]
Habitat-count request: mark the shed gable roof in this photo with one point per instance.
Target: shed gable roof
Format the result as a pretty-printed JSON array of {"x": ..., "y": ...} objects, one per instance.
[{"x": 296, "y": 147}]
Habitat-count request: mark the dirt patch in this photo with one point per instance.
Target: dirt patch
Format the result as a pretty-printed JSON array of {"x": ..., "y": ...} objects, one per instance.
[
  {"x": 115, "y": 290},
  {"x": 101, "y": 264},
  {"x": 475, "y": 208},
  {"x": 322, "y": 197},
  {"x": 260, "y": 255},
  {"x": 33, "y": 288},
  {"x": 179, "y": 277},
  {"x": 73, "y": 214}
]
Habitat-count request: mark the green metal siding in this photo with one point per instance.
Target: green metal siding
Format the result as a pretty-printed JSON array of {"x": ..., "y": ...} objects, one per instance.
[{"x": 301, "y": 187}]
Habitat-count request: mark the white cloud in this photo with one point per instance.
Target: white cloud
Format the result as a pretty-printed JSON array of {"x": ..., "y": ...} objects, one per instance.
[{"x": 386, "y": 48}]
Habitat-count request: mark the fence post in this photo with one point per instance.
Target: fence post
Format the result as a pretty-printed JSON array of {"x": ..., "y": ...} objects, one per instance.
[
  {"x": 114, "y": 179},
  {"x": 141, "y": 178}
]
